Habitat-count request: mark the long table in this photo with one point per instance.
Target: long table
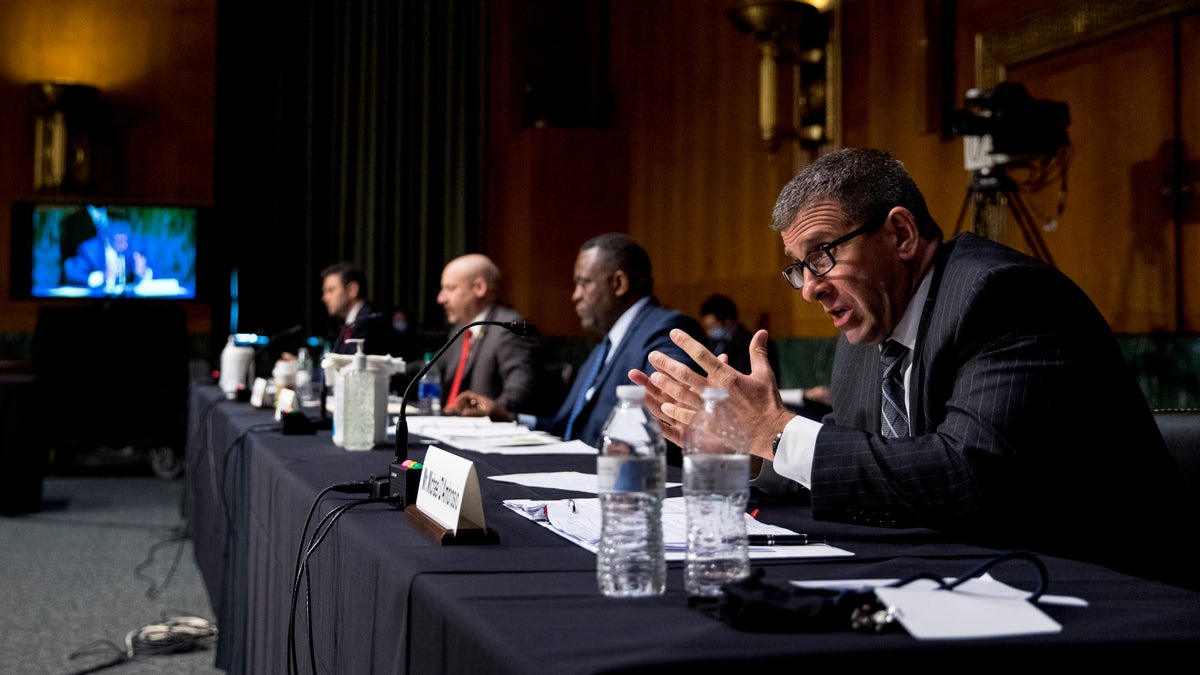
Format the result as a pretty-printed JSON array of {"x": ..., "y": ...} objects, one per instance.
[{"x": 384, "y": 598}]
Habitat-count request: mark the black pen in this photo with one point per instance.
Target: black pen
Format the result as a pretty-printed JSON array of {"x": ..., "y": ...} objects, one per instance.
[{"x": 784, "y": 540}]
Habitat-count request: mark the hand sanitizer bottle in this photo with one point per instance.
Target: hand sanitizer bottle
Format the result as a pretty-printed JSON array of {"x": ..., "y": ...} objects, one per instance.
[{"x": 359, "y": 403}]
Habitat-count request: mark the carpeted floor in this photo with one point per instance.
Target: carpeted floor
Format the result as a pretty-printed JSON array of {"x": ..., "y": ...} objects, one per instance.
[{"x": 104, "y": 557}]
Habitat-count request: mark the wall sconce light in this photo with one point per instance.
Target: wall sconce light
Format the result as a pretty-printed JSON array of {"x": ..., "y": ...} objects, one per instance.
[
  {"x": 794, "y": 32},
  {"x": 64, "y": 116}
]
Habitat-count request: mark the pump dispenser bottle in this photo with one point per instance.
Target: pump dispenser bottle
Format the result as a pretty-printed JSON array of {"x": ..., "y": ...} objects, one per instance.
[{"x": 359, "y": 404}]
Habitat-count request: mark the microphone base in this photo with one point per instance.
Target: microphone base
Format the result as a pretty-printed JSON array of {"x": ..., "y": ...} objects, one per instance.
[{"x": 403, "y": 484}]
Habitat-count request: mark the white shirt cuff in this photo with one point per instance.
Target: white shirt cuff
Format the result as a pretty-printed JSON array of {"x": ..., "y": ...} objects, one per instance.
[{"x": 794, "y": 455}]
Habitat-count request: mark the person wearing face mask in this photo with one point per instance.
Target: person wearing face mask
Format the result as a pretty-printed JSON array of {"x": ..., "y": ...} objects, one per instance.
[
  {"x": 406, "y": 337},
  {"x": 729, "y": 336}
]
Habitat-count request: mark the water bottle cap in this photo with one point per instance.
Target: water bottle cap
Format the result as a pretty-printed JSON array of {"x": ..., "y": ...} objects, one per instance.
[
  {"x": 631, "y": 392},
  {"x": 714, "y": 394}
]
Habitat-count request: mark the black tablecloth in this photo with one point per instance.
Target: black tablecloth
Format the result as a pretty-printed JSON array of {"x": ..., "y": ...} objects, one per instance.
[{"x": 386, "y": 599}]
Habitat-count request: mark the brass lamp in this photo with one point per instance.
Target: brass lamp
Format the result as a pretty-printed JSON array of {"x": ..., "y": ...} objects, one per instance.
[
  {"x": 795, "y": 32},
  {"x": 64, "y": 116}
]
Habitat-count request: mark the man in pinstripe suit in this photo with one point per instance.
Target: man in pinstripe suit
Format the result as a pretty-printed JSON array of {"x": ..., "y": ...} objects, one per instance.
[{"x": 1026, "y": 428}]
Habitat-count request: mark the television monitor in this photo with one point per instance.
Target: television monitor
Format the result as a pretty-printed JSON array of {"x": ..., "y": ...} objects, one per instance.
[{"x": 106, "y": 249}]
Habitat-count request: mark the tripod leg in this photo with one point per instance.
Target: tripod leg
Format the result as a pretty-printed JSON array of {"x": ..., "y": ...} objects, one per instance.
[
  {"x": 1020, "y": 213},
  {"x": 962, "y": 212}
]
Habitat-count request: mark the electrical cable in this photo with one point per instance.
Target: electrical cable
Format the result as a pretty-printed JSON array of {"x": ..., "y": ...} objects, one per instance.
[
  {"x": 238, "y": 442},
  {"x": 174, "y": 634},
  {"x": 350, "y": 487},
  {"x": 178, "y": 535},
  {"x": 199, "y": 438},
  {"x": 324, "y": 526}
]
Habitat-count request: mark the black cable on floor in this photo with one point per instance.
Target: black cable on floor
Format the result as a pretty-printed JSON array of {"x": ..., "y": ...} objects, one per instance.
[
  {"x": 178, "y": 535},
  {"x": 172, "y": 635}
]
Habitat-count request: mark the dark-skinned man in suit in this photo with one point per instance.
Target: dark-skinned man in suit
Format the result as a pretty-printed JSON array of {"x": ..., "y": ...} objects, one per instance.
[{"x": 614, "y": 298}]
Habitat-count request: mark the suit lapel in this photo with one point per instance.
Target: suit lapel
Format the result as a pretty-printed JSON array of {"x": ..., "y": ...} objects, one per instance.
[{"x": 917, "y": 379}]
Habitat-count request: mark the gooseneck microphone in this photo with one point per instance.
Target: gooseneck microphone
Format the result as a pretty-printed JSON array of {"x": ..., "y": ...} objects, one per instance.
[
  {"x": 397, "y": 471},
  {"x": 279, "y": 336}
]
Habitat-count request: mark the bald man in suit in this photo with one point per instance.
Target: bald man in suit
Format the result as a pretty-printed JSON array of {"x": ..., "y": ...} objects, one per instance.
[
  {"x": 1017, "y": 423},
  {"x": 498, "y": 364}
]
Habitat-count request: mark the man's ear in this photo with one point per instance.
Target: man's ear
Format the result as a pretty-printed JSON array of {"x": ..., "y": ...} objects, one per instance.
[
  {"x": 620, "y": 283},
  {"x": 904, "y": 226},
  {"x": 352, "y": 289},
  {"x": 479, "y": 287}
]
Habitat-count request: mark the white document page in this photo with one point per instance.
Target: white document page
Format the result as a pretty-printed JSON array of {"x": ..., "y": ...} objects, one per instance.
[
  {"x": 534, "y": 443},
  {"x": 977, "y": 608},
  {"x": 479, "y": 434},
  {"x": 560, "y": 480},
  {"x": 578, "y": 520}
]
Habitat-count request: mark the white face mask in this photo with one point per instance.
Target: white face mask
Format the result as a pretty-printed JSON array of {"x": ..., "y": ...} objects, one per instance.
[{"x": 719, "y": 334}]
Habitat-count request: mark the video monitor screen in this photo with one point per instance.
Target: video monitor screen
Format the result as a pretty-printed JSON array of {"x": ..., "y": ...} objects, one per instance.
[{"x": 105, "y": 250}]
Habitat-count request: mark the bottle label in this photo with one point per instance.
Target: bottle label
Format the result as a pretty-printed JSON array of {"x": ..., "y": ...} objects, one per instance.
[{"x": 630, "y": 473}]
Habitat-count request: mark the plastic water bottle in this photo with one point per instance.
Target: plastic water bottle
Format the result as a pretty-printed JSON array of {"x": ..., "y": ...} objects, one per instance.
[
  {"x": 360, "y": 403},
  {"x": 631, "y": 472},
  {"x": 716, "y": 487},
  {"x": 304, "y": 375},
  {"x": 429, "y": 390}
]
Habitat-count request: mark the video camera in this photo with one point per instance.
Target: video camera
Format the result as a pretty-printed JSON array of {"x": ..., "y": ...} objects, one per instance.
[{"x": 1005, "y": 126}]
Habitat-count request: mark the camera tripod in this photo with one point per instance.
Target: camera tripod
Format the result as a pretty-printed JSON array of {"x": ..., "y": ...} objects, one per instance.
[{"x": 992, "y": 194}]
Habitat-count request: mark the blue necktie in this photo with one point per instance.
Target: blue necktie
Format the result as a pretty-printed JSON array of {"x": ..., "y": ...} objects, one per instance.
[
  {"x": 601, "y": 353},
  {"x": 893, "y": 414}
]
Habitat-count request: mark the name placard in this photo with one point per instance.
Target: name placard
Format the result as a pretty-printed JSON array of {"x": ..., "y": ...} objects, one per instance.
[
  {"x": 449, "y": 491},
  {"x": 285, "y": 402},
  {"x": 259, "y": 397}
]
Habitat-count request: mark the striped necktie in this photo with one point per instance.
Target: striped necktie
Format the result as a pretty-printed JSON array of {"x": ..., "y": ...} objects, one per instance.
[{"x": 893, "y": 414}]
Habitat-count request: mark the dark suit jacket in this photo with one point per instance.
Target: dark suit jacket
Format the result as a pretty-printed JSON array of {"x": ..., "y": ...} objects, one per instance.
[
  {"x": 737, "y": 347},
  {"x": 650, "y": 331},
  {"x": 89, "y": 257},
  {"x": 369, "y": 325},
  {"x": 500, "y": 363},
  {"x": 1028, "y": 428}
]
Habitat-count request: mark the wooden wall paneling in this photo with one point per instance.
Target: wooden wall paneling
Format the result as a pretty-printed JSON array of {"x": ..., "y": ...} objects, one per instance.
[
  {"x": 1116, "y": 238},
  {"x": 549, "y": 188},
  {"x": 155, "y": 65},
  {"x": 1189, "y": 228},
  {"x": 701, "y": 184}
]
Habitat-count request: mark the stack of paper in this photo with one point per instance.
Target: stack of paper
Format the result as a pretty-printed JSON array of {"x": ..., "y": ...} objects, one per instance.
[
  {"x": 578, "y": 520},
  {"x": 479, "y": 434}
]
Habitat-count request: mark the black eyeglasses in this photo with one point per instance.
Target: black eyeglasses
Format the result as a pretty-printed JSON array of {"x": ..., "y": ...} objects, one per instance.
[{"x": 819, "y": 261}]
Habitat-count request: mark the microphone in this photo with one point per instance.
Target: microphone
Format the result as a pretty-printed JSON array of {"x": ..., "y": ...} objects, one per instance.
[
  {"x": 366, "y": 317},
  {"x": 282, "y": 334},
  {"x": 397, "y": 485}
]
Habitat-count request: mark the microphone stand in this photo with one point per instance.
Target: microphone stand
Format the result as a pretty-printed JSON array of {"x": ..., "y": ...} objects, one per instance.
[
  {"x": 404, "y": 480},
  {"x": 260, "y": 349}
]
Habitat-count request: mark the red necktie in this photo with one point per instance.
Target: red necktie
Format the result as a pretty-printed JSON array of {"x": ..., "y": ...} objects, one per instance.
[{"x": 458, "y": 374}]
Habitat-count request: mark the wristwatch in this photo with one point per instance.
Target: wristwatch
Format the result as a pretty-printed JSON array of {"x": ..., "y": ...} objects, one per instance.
[{"x": 775, "y": 444}]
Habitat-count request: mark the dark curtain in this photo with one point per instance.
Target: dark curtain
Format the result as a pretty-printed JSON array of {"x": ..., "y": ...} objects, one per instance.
[{"x": 345, "y": 131}]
